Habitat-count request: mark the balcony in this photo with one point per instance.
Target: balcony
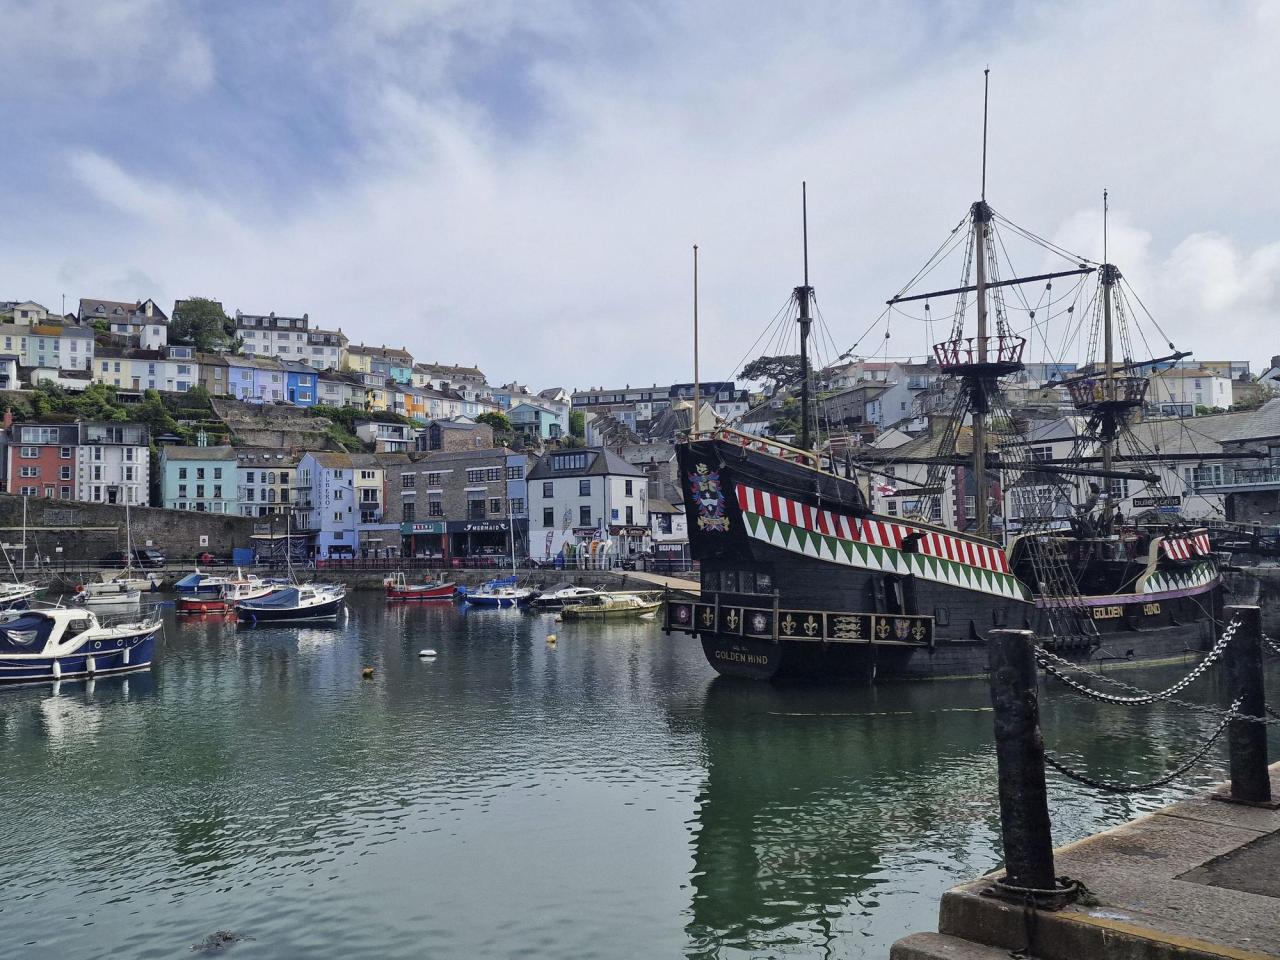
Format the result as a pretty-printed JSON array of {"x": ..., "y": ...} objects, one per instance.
[
  {"x": 1244, "y": 480},
  {"x": 981, "y": 357}
]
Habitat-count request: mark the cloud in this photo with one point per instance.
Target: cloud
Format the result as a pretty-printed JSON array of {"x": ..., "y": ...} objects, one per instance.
[
  {"x": 519, "y": 184},
  {"x": 96, "y": 48}
]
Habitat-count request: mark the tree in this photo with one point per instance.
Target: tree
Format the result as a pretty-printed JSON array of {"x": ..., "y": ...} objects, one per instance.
[
  {"x": 497, "y": 420},
  {"x": 200, "y": 323},
  {"x": 777, "y": 373},
  {"x": 577, "y": 424},
  {"x": 787, "y": 423}
]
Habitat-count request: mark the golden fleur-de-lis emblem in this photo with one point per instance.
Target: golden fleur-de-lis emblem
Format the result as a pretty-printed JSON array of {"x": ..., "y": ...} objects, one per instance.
[
  {"x": 732, "y": 619},
  {"x": 788, "y": 625},
  {"x": 918, "y": 631},
  {"x": 811, "y": 625},
  {"x": 882, "y": 629},
  {"x": 708, "y": 617}
]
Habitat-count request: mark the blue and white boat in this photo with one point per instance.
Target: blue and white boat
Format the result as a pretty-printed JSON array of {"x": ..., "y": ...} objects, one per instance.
[
  {"x": 201, "y": 584},
  {"x": 502, "y": 592},
  {"x": 300, "y": 603},
  {"x": 58, "y": 643}
]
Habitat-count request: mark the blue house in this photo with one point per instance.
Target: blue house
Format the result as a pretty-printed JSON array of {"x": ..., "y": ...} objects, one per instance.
[{"x": 300, "y": 383}]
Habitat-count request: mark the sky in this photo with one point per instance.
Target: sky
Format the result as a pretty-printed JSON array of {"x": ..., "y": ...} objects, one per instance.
[{"x": 518, "y": 184}]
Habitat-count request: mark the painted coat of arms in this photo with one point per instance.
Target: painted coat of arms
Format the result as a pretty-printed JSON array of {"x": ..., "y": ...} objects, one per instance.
[{"x": 708, "y": 495}]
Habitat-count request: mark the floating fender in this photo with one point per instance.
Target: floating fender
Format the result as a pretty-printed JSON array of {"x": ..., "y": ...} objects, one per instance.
[
  {"x": 551, "y": 639},
  {"x": 124, "y": 656},
  {"x": 57, "y": 669},
  {"x": 426, "y": 654},
  {"x": 90, "y": 665}
]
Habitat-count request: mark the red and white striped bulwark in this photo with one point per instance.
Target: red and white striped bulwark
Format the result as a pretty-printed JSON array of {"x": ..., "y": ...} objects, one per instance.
[
  {"x": 1195, "y": 544},
  {"x": 878, "y": 533}
]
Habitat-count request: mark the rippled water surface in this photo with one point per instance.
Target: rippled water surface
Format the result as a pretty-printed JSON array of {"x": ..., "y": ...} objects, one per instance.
[{"x": 604, "y": 796}]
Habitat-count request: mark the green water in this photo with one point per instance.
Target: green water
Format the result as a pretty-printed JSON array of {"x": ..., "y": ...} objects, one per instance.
[{"x": 602, "y": 797}]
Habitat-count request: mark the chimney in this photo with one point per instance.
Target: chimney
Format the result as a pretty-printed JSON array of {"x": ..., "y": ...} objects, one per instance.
[{"x": 1275, "y": 361}]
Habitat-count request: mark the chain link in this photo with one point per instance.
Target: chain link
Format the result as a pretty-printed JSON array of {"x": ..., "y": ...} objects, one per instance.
[
  {"x": 1110, "y": 786},
  {"x": 1045, "y": 659}
]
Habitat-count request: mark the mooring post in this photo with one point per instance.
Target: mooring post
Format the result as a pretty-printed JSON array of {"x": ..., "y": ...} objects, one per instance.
[
  {"x": 1024, "y": 802},
  {"x": 1247, "y": 739}
]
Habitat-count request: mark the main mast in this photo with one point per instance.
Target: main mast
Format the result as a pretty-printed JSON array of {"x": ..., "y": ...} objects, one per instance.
[
  {"x": 1109, "y": 276},
  {"x": 804, "y": 295}
]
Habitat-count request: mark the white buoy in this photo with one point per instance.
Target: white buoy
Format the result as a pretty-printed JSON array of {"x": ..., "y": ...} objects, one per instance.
[
  {"x": 89, "y": 665},
  {"x": 426, "y": 654},
  {"x": 124, "y": 658},
  {"x": 57, "y": 669}
]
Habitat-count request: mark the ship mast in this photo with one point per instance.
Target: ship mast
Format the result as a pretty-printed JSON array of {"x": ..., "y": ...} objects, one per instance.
[
  {"x": 804, "y": 295},
  {"x": 981, "y": 217},
  {"x": 1108, "y": 350}
]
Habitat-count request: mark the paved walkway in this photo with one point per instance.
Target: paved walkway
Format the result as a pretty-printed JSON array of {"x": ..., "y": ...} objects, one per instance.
[
  {"x": 1195, "y": 880},
  {"x": 686, "y": 582}
]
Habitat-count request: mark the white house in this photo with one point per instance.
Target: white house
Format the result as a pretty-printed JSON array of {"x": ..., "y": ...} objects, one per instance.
[
  {"x": 173, "y": 369},
  {"x": 139, "y": 324},
  {"x": 1179, "y": 391},
  {"x": 326, "y": 501},
  {"x": 589, "y": 504},
  {"x": 113, "y": 463}
]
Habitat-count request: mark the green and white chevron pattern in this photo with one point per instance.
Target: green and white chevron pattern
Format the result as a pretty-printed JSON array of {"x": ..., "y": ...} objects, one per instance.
[
  {"x": 852, "y": 553},
  {"x": 1164, "y": 580}
]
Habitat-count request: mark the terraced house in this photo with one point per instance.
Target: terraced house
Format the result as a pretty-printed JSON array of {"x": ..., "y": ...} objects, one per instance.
[{"x": 199, "y": 478}]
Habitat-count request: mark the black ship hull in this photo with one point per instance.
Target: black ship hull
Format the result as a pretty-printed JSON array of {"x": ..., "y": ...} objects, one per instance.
[{"x": 801, "y": 579}]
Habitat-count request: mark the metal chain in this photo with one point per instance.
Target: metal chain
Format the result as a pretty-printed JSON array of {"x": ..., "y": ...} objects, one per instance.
[
  {"x": 1143, "y": 696},
  {"x": 1112, "y": 787}
]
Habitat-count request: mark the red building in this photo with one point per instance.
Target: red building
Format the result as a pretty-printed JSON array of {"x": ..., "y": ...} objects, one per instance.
[{"x": 41, "y": 460}]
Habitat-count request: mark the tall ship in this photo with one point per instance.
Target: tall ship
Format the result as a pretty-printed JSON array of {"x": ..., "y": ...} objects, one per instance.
[{"x": 800, "y": 575}]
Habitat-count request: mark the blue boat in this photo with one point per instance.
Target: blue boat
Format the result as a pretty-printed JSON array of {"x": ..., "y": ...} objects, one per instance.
[
  {"x": 200, "y": 584},
  {"x": 300, "y": 603},
  {"x": 501, "y": 592},
  {"x": 57, "y": 643}
]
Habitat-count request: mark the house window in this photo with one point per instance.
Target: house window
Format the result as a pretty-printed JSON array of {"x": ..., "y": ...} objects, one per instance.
[
  {"x": 475, "y": 476},
  {"x": 548, "y": 517},
  {"x": 517, "y": 505},
  {"x": 970, "y": 508},
  {"x": 434, "y": 479},
  {"x": 515, "y": 473},
  {"x": 584, "y": 488},
  {"x": 584, "y": 516},
  {"x": 631, "y": 516},
  {"x": 475, "y": 508},
  {"x": 217, "y": 473},
  {"x": 29, "y": 472},
  {"x": 407, "y": 512},
  {"x": 495, "y": 504},
  {"x": 64, "y": 473},
  {"x": 1118, "y": 489},
  {"x": 406, "y": 481},
  {"x": 29, "y": 453},
  {"x": 435, "y": 508},
  {"x": 546, "y": 489},
  {"x": 493, "y": 474},
  {"x": 248, "y": 477},
  {"x": 65, "y": 453},
  {"x": 1042, "y": 453},
  {"x": 569, "y": 461}
]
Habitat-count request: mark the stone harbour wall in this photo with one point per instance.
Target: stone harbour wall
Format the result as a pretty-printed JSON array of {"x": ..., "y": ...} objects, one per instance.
[{"x": 88, "y": 531}]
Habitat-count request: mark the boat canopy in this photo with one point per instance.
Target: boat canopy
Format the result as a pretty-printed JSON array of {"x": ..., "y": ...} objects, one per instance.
[
  {"x": 27, "y": 633},
  {"x": 288, "y": 597}
]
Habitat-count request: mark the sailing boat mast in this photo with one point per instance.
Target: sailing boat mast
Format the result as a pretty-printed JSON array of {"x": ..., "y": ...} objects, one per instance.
[
  {"x": 804, "y": 295},
  {"x": 697, "y": 386}
]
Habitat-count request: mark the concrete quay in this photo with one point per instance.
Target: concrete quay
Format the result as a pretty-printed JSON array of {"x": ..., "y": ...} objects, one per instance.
[{"x": 1197, "y": 879}]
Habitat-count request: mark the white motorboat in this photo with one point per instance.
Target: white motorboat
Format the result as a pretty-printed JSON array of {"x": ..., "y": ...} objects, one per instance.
[
  {"x": 117, "y": 594},
  {"x": 564, "y": 595},
  {"x": 16, "y": 594}
]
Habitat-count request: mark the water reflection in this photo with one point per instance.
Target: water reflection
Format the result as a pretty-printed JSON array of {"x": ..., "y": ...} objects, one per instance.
[{"x": 603, "y": 792}]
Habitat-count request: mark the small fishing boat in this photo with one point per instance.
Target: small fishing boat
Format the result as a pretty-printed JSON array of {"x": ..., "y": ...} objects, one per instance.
[
  {"x": 117, "y": 594},
  {"x": 564, "y": 595},
  {"x": 133, "y": 578},
  {"x": 232, "y": 592},
  {"x": 609, "y": 606},
  {"x": 397, "y": 588},
  {"x": 298, "y": 603},
  {"x": 502, "y": 592},
  {"x": 58, "y": 643}
]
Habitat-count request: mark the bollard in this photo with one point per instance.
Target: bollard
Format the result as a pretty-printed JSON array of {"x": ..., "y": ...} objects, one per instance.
[
  {"x": 1024, "y": 803},
  {"x": 1247, "y": 739}
]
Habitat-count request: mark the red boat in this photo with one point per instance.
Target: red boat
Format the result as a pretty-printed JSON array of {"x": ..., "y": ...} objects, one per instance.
[
  {"x": 202, "y": 605},
  {"x": 399, "y": 589}
]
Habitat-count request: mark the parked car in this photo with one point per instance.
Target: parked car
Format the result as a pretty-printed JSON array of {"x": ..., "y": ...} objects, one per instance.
[{"x": 143, "y": 558}]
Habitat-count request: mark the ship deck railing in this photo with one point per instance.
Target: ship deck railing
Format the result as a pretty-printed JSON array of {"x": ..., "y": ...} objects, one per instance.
[{"x": 767, "y": 445}]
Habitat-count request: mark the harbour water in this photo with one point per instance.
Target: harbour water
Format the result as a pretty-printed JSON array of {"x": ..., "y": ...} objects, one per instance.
[{"x": 602, "y": 796}]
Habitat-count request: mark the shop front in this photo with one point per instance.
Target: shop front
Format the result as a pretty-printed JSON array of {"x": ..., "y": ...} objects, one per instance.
[
  {"x": 487, "y": 542},
  {"x": 425, "y": 539},
  {"x": 629, "y": 539}
]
